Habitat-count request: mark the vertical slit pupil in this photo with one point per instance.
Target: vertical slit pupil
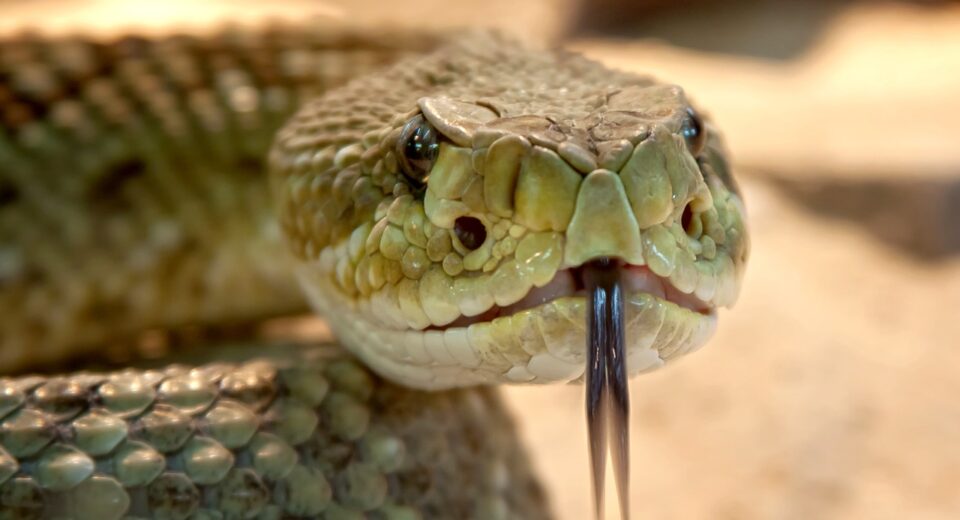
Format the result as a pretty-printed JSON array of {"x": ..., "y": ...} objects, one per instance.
[
  {"x": 470, "y": 231},
  {"x": 417, "y": 150}
]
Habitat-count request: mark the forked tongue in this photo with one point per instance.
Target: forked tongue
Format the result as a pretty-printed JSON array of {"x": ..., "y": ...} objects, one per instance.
[{"x": 608, "y": 400}]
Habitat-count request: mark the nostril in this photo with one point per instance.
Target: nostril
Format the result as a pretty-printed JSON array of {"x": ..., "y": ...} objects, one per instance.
[
  {"x": 470, "y": 231},
  {"x": 690, "y": 225}
]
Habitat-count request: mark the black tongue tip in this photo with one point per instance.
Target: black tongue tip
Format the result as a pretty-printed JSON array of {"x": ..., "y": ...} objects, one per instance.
[{"x": 608, "y": 399}]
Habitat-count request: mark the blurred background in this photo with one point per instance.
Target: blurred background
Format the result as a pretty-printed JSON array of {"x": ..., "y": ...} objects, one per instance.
[{"x": 831, "y": 390}]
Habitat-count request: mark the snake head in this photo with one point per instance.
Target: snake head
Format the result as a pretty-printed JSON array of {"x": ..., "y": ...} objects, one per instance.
[{"x": 443, "y": 209}]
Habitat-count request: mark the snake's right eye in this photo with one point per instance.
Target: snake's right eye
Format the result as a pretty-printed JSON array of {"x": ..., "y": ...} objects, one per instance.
[
  {"x": 417, "y": 150},
  {"x": 694, "y": 133}
]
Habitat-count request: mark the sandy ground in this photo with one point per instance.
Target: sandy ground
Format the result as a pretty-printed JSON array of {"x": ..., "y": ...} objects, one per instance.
[{"x": 537, "y": 20}]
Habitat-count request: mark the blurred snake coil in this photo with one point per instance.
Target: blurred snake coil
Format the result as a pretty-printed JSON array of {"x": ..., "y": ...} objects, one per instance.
[{"x": 435, "y": 198}]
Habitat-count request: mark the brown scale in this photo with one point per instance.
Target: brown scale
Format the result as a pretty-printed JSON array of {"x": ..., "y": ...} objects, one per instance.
[{"x": 103, "y": 139}]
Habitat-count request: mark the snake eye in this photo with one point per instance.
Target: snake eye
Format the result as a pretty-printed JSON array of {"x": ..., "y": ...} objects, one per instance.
[
  {"x": 417, "y": 150},
  {"x": 694, "y": 133}
]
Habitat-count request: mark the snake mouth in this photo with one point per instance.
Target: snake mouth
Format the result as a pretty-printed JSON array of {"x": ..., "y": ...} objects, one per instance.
[
  {"x": 637, "y": 279},
  {"x": 537, "y": 337}
]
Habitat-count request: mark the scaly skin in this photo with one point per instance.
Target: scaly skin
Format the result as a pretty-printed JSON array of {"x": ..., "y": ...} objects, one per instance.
[
  {"x": 308, "y": 433},
  {"x": 560, "y": 159},
  {"x": 132, "y": 186},
  {"x": 130, "y": 200}
]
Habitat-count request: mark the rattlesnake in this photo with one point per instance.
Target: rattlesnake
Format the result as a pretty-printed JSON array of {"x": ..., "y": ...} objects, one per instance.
[{"x": 440, "y": 210}]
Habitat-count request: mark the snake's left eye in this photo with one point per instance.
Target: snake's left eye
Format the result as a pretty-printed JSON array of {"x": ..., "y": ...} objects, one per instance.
[
  {"x": 417, "y": 150},
  {"x": 694, "y": 133}
]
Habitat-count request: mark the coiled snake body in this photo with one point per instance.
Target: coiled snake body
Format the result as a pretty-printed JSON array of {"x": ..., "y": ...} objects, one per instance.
[{"x": 439, "y": 212}]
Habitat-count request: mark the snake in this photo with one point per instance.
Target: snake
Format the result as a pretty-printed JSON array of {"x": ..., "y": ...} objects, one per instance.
[{"x": 462, "y": 209}]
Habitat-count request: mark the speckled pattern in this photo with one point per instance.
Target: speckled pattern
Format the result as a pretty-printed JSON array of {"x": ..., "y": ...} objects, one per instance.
[
  {"x": 132, "y": 184},
  {"x": 131, "y": 199},
  {"x": 132, "y": 178},
  {"x": 559, "y": 160},
  {"x": 308, "y": 433}
]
